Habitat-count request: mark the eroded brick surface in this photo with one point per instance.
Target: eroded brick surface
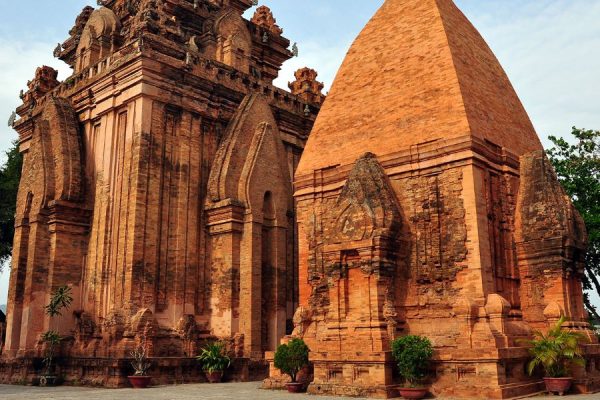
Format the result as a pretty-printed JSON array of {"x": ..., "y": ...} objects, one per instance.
[
  {"x": 480, "y": 218},
  {"x": 157, "y": 184}
]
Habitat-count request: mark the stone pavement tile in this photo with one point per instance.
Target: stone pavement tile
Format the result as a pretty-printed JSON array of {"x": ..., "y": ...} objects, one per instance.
[{"x": 242, "y": 391}]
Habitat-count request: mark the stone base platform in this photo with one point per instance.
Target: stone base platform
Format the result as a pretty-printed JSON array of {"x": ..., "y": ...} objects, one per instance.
[{"x": 113, "y": 373}]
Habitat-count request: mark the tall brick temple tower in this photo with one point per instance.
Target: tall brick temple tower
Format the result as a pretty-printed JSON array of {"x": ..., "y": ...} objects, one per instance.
[
  {"x": 157, "y": 184},
  {"x": 426, "y": 205}
]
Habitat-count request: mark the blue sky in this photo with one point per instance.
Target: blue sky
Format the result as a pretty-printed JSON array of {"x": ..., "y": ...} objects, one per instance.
[{"x": 549, "y": 48}]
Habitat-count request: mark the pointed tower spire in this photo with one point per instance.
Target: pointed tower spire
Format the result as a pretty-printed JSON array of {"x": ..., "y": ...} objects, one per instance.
[{"x": 419, "y": 71}]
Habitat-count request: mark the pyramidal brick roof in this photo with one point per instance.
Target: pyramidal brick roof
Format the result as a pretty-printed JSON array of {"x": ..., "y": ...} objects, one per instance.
[{"x": 419, "y": 71}]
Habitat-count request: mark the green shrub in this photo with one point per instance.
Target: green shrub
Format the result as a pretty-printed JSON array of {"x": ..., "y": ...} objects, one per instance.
[
  {"x": 413, "y": 355},
  {"x": 214, "y": 358},
  {"x": 292, "y": 357},
  {"x": 556, "y": 351}
]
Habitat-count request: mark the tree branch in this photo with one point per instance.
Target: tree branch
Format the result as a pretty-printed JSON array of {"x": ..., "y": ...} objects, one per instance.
[
  {"x": 593, "y": 278},
  {"x": 591, "y": 309}
]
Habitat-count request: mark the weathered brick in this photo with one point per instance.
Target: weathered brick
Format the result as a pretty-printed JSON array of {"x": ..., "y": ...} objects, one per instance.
[{"x": 157, "y": 183}]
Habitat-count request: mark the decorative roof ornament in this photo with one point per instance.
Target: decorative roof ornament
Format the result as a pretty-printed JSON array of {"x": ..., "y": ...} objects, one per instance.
[
  {"x": 254, "y": 2},
  {"x": 44, "y": 82},
  {"x": 12, "y": 119},
  {"x": 307, "y": 87},
  {"x": 57, "y": 50},
  {"x": 141, "y": 41},
  {"x": 295, "y": 50},
  {"x": 189, "y": 60},
  {"x": 263, "y": 17}
]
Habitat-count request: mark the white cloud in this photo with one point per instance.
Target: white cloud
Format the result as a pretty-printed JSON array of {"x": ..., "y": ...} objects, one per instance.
[
  {"x": 550, "y": 50},
  {"x": 325, "y": 60},
  {"x": 18, "y": 62}
]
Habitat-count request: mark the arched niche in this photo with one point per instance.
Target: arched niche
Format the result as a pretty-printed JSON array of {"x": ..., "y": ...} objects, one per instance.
[
  {"x": 234, "y": 43},
  {"x": 98, "y": 38}
]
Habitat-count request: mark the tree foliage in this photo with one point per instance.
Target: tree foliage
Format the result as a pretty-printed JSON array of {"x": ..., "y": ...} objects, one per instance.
[
  {"x": 413, "y": 355},
  {"x": 10, "y": 175},
  {"x": 292, "y": 357},
  {"x": 577, "y": 165}
]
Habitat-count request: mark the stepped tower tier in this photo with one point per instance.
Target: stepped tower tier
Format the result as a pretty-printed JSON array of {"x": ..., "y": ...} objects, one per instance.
[{"x": 158, "y": 185}]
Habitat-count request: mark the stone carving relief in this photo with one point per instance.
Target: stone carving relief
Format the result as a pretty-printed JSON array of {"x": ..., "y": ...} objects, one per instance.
[{"x": 357, "y": 255}]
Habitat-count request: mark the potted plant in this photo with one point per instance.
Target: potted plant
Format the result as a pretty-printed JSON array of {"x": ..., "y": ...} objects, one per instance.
[
  {"x": 413, "y": 355},
  {"x": 61, "y": 299},
  {"x": 214, "y": 361},
  {"x": 140, "y": 379},
  {"x": 290, "y": 359},
  {"x": 556, "y": 351}
]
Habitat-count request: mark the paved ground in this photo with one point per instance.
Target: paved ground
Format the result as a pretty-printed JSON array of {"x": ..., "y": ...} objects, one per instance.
[{"x": 241, "y": 391}]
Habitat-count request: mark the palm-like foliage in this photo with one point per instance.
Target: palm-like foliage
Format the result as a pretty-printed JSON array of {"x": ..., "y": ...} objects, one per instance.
[
  {"x": 214, "y": 358},
  {"x": 556, "y": 351},
  {"x": 61, "y": 298}
]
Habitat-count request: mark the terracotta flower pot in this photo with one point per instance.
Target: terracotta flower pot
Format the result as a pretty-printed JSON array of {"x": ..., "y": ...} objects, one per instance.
[
  {"x": 413, "y": 393},
  {"x": 214, "y": 377},
  {"x": 295, "y": 387},
  {"x": 558, "y": 385},
  {"x": 139, "y": 382}
]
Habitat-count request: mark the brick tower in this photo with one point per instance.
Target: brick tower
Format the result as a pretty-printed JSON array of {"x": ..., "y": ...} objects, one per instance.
[
  {"x": 426, "y": 205},
  {"x": 157, "y": 184}
]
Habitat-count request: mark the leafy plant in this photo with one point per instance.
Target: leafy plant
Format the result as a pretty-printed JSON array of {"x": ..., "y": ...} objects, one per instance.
[
  {"x": 140, "y": 362},
  {"x": 292, "y": 357},
  {"x": 214, "y": 358},
  {"x": 61, "y": 299},
  {"x": 556, "y": 351},
  {"x": 413, "y": 355},
  {"x": 52, "y": 340}
]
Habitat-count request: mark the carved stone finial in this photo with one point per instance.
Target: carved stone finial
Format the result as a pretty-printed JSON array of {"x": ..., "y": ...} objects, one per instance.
[
  {"x": 12, "y": 119},
  {"x": 45, "y": 81},
  {"x": 57, "y": 50},
  {"x": 553, "y": 311},
  {"x": 263, "y": 17},
  {"x": 307, "y": 87},
  {"x": 497, "y": 305}
]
